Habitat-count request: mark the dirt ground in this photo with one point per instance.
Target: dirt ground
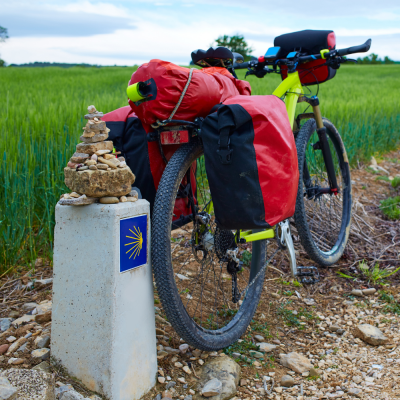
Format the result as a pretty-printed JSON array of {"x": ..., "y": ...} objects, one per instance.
[{"x": 316, "y": 320}]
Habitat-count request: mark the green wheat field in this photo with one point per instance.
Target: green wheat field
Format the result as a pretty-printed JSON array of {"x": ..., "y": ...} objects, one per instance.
[{"x": 41, "y": 119}]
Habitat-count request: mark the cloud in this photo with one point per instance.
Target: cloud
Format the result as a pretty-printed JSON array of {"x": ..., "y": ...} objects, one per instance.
[{"x": 70, "y": 20}]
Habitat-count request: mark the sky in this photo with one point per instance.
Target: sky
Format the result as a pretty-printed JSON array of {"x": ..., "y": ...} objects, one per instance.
[{"x": 122, "y": 32}]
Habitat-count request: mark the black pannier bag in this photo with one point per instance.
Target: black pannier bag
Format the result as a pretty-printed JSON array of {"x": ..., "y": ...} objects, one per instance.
[
  {"x": 251, "y": 162},
  {"x": 308, "y": 42}
]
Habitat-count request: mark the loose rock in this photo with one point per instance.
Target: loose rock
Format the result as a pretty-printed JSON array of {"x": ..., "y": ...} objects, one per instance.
[
  {"x": 79, "y": 158},
  {"x": 109, "y": 200},
  {"x": 212, "y": 388},
  {"x": 7, "y": 391},
  {"x": 266, "y": 347},
  {"x": 42, "y": 341},
  {"x": 91, "y": 148},
  {"x": 370, "y": 334},
  {"x": 123, "y": 199},
  {"x": 296, "y": 362},
  {"x": 16, "y": 361},
  {"x": 41, "y": 354},
  {"x": 369, "y": 291},
  {"x": 224, "y": 369},
  {"x": 5, "y": 323},
  {"x": 357, "y": 292},
  {"x": 287, "y": 381},
  {"x": 99, "y": 137}
]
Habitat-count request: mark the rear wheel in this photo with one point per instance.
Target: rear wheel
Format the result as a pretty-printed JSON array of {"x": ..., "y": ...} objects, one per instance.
[
  {"x": 195, "y": 278},
  {"x": 322, "y": 219}
]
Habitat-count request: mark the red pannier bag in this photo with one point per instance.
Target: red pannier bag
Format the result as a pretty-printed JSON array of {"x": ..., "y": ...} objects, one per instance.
[
  {"x": 309, "y": 42},
  {"x": 129, "y": 136},
  {"x": 166, "y": 82},
  {"x": 251, "y": 162}
]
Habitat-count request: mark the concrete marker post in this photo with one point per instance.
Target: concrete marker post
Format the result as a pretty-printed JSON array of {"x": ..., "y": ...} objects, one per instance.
[{"x": 103, "y": 329}]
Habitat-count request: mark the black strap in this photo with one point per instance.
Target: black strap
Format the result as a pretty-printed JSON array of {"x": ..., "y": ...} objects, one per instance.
[{"x": 225, "y": 125}]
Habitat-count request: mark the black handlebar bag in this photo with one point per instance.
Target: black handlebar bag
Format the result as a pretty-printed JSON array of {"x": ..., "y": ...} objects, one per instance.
[{"x": 251, "y": 162}]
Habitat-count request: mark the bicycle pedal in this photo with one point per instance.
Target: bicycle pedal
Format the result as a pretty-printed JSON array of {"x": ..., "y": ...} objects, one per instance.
[{"x": 308, "y": 275}]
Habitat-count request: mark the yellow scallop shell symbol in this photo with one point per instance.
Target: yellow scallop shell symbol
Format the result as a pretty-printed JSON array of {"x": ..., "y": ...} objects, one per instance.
[{"x": 136, "y": 244}]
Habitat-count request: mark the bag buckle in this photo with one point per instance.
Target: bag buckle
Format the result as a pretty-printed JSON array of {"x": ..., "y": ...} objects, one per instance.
[
  {"x": 225, "y": 152},
  {"x": 225, "y": 155}
]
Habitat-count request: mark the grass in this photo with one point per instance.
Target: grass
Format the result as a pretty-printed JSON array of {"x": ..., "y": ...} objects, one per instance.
[
  {"x": 391, "y": 207},
  {"x": 41, "y": 116},
  {"x": 392, "y": 306}
]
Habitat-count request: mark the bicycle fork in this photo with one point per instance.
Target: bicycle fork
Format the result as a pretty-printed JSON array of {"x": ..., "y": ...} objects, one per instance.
[{"x": 324, "y": 146}]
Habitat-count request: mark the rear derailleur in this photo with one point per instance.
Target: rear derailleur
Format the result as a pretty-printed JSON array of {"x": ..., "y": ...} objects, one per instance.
[{"x": 233, "y": 267}]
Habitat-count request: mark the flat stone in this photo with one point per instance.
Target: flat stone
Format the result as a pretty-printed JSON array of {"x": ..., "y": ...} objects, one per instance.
[
  {"x": 357, "y": 292},
  {"x": 313, "y": 372},
  {"x": 334, "y": 328},
  {"x": 225, "y": 370},
  {"x": 131, "y": 199},
  {"x": 256, "y": 354},
  {"x": 117, "y": 182},
  {"x": 15, "y": 361},
  {"x": 94, "y": 115},
  {"x": 123, "y": 199},
  {"x": 98, "y": 137},
  {"x": 121, "y": 159},
  {"x": 355, "y": 392},
  {"x": 43, "y": 318},
  {"x": 287, "y": 381},
  {"x": 108, "y": 162},
  {"x": 59, "y": 391},
  {"x": 42, "y": 341},
  {"x": 11, "y": 339},
  {"x": 266, "y": 347},
  {"x": 29, "y": 306},
  {"x": 212, "y": 388},
  {"x": 102, "y": 166},
  {"x": 109, "y": 200},
  {"x": 370, "y": 334},
  {"x": 91, "y": 148},
  {"x": 7, "y": 390},
  {"x": 122, "y": 164},
  {"x": 259, "y": 338},
  {"x": 80, "y": 201},
  {"x": 369, "y": 291},
  {"x": 88, "y": 134},
  {"x": 41, "y": 354},
  {"x": 31, "y": 384},
  {"x": 90, "y": 162},
  {"x": 16, "y": 345},
  {"x": 296, "y": 362},
  {"x": 160, "y": 332},
  {"x": 5, "y": 324},
  {"x": 102, "y": 152},
  {"x": 93, "y": 167},
  {"x": 79, "y": 158},
  {"x": 43, "y": 366}
]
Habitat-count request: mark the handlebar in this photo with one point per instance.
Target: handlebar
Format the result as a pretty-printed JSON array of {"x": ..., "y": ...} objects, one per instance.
[
  {"x": 363, "y": 48},
  {"x": 333, "y": 54}
]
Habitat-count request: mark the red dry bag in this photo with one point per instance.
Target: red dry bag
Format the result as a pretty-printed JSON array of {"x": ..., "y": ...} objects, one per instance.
[{"x": 166, "y": 82}]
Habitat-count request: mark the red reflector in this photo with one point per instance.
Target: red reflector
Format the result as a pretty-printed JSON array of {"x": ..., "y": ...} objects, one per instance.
[
  {"x": 331, "y": 41},
  {"x": 174, "y": 137},
  {"x": 261, "y": 59}
]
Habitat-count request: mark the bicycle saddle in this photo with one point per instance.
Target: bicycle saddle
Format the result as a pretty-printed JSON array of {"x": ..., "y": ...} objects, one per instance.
[{"x": 215, "y": 57}]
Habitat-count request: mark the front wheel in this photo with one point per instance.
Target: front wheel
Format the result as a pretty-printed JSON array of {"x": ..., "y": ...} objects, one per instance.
[
  {"x": 207, "y": 301},
  {"x": 322, "y": 217}
]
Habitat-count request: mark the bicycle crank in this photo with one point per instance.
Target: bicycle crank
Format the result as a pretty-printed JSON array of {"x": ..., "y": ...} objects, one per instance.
[{"x": 303, "y": 274}]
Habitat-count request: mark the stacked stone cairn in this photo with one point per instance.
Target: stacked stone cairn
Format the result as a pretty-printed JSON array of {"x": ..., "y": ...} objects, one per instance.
[{"x": 95, "y": 173}]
